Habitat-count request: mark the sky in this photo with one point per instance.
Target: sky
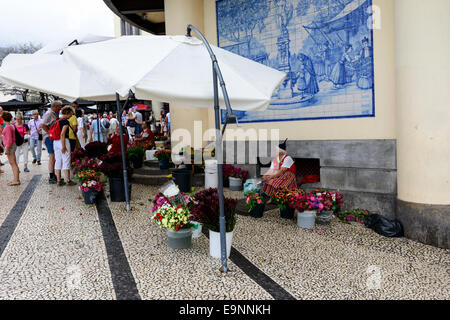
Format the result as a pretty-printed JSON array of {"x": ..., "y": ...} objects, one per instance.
[{"x": 44, "y": 21}]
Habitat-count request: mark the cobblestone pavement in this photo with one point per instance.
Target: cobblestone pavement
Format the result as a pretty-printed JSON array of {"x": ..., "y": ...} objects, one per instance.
[{"x": 59, "y": 250}]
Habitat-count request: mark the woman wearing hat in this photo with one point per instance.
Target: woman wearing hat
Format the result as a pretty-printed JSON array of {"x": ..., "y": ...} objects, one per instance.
[{"x": 282, "y": 173}]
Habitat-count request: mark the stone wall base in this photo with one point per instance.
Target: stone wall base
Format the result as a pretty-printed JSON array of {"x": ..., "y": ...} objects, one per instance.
[{"x": 429, "y": 224}]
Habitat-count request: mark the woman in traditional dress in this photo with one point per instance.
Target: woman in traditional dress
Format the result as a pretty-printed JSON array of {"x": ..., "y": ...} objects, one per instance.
[
  {"x": 338, "y": 76},
  {"x": 282, "y": 173}
]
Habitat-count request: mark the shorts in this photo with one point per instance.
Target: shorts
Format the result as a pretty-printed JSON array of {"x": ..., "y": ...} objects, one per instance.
[
  {"x": 49, "y": 145},
  {"x": 13, "y": 149},
  {"x": 62, "y": 160}
]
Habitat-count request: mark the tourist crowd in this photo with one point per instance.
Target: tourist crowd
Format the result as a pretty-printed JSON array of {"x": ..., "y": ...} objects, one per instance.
[{"x": 61, "y": 130}]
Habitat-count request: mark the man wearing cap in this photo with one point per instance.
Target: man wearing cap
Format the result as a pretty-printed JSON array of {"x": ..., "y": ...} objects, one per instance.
[{"x": 282, "y": 173}]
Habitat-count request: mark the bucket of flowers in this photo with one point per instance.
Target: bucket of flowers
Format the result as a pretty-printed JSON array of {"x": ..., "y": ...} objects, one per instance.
[
  {"x": 176, "y": 220},
  {"x": 136, "y": 155},
  {"x": 87, "y": 175},
  {"x": 237, "y": 177},
  {"x": 81, "y": 164},
  {"x": 306, "y": 206},
  {"x": 111, "y": 166},
  {"x": 255, "y": 204},
  {"x": 282, "y": 199},
  {"x": 163, "y": 156},
  {"x": 90, "y": 190},
  {"x": 206, "y": 211},
  {"x": 96, "y": 149},
  {"x": 331, "y": 202}
]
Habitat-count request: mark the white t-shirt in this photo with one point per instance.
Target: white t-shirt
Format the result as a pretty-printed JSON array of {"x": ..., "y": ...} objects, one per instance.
[
  {"x": 80, "y": 122},
  {"x": 113, "y": 124},
  {"x": 287, "y": 163}
]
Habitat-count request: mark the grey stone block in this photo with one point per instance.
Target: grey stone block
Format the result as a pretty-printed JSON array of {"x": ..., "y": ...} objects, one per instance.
[
  {"x": 379, "y": 154},
  {"x": 363, "y": 180},
  {"x": 429, "y": 224}
]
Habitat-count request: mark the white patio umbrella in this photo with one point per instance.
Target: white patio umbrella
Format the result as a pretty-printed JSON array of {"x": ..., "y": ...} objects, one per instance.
[
  {"x": 176, "y": 69},
  {"x": 57, "y": 47}
]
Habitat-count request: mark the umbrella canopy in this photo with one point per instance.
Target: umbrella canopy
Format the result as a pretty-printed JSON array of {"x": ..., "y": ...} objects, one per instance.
[
  {"x": 58, "y": 46},
  {"x": 13, "y": 105},
  {"x": 174, "y": 69}
]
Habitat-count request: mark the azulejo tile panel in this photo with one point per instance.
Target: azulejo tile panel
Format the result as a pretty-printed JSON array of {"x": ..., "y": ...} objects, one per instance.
[{"x": 324, "y": 46}]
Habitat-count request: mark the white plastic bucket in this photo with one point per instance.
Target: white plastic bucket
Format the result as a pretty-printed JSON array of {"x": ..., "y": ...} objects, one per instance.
[
  {"x": 211, "y": 176},
  {"x": 150, "y": 155},
  {"x": 214, "y": 243},
  {"x": 306, "y": 219}
]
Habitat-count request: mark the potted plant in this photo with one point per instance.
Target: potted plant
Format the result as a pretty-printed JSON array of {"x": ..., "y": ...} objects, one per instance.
[
  {"x": 176, "y": 220},
  {"x": 90, "y": 190},
  {"x": 111, "y": 166},
  {"x": 136, "y": 156},
  {"x": 330, "y": 204},
  {"x": 96, "y": 149},
  {"x": 305, "y": 207},
  {"x": 87, "y": 174},
  {"x": 81, "y": 164},
  {"x": 281, "y": 198},
  {"x": 355, "y": 215},
  {"x": 206, "y": 211},
  {"x": 163, "y": 156},
  {"x": 236, "y": 178},
  {"x": 255, "y": 204}
]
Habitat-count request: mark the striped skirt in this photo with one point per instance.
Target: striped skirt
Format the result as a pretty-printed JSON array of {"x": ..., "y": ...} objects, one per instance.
[{"x": 287, "y": 181}]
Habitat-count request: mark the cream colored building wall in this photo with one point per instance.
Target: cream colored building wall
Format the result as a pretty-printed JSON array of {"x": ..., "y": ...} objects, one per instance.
[
  {"x": 423, "y": 100},
  {"x": 382, "y": 126}
]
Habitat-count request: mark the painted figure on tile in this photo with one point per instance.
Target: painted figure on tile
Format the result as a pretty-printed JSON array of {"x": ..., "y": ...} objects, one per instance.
[
  {"x": 306, "y": 81},
  {"x": 323, "y": 63},
  {"x": 364, "y": 66},
  {"x": 366, "y": 52},
  {"x": 339, "y": 75}
]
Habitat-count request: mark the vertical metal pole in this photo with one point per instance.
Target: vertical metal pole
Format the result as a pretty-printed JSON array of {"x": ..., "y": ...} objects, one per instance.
[
  {"x": 219, "y": 156},
  {"x": 122, "y": 148},
  {"x": 98, "y": 125}
]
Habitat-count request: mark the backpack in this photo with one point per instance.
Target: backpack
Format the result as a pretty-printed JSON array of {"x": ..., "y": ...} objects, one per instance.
[
  {"x": 54, "y": 133},
  {"x": 19, "y": 138}
]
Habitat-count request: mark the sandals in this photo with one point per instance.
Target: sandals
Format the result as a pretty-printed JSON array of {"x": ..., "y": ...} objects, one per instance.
[
  {"x": 71, "y": 183},
  {"x": 13, "y": 183}
]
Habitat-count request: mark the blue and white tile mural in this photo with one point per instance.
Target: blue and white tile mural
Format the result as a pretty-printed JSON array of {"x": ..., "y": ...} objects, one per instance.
[{"x": 324, "y": 46}]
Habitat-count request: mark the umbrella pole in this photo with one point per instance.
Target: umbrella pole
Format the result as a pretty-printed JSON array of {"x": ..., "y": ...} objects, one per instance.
[
  {"x": 122, "y": 148},
  {"x": 217, "y": 77},
  {"x": 219, "y": 156},
  {"x": 98, "y": 125}
]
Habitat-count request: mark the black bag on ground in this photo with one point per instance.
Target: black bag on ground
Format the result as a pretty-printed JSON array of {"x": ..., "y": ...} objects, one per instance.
[{"x": 385, "y": 226}]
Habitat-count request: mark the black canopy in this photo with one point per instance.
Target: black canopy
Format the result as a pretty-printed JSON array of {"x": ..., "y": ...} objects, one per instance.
[{"x": 14, "y": 105}]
